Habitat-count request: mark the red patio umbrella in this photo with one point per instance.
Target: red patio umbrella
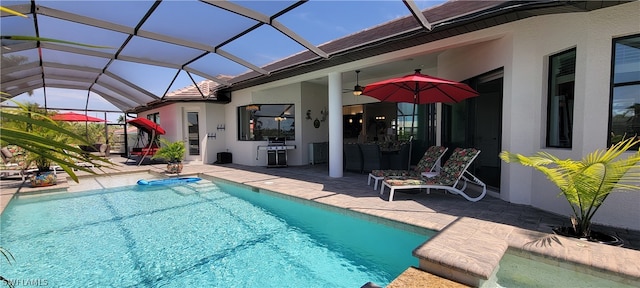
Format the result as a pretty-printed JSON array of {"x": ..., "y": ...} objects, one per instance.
[
  {"x": 147, "y": 125},
  {"x": 418, "y": 88},
  {"x": 152, "y": 129},
  {"x": 75, "y": 117}
]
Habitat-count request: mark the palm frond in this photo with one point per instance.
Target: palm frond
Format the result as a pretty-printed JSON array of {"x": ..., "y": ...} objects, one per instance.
[
  {"x": 586, "y": 184},
  {"x": 43, "y": 121},
  {"x": 48, "y": 142}
]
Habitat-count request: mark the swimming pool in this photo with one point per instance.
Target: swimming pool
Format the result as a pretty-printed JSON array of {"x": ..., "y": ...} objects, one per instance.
[
  {"x": 517, "y": 271},
  {"x": 201, "y": 234}
]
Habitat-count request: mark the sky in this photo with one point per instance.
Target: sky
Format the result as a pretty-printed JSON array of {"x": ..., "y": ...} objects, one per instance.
[{"x": 318, "y": 21}]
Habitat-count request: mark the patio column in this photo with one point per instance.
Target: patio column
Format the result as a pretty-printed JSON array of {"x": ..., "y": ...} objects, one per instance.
[{"x": 335, "y": 125}]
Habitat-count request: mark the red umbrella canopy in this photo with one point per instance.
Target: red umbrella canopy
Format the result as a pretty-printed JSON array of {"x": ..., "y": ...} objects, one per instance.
[
  {"x": 418, "y": 88},
  {"x": 75, "y": 117},
  {"x": 146, "y": 125}
]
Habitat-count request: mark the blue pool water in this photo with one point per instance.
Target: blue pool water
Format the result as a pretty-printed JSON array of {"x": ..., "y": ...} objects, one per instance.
[{"x": 197, "y": 235}]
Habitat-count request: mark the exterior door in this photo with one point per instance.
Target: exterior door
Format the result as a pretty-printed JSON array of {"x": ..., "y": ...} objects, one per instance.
[
  {"x": 477, "y": 122},
  {"x": 192, "y": 135}
]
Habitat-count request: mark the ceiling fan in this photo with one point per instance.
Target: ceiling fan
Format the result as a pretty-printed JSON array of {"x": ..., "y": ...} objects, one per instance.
[{"x": 357, "y": 90}]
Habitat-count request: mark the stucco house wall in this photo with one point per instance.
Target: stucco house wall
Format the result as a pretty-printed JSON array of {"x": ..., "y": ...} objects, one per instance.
[
  {"x": 523, "y": 51},
  {"x": 210, "y": 115}
]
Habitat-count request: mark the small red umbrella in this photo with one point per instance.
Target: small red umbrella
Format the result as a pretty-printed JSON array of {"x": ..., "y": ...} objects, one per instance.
[
  {"x": 147, "y": 125},
  {"x": 75, "y": 117},
  {"x": 418, "y": 88}
]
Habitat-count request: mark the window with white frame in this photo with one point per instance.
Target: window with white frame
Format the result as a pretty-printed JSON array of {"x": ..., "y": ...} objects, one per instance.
[{"x": 624, "y": 121}]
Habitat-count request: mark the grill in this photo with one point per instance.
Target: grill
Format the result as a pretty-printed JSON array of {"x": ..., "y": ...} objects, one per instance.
[
  {"x": 277, "y": 143},
  {"x": 276, "y": 151}
]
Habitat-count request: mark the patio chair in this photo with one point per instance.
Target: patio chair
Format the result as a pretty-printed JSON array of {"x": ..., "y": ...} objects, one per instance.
[
  {"x": 76, "y": 157},
  {"x": 428, "y": 163},
  {"x": 371, "y": 157},
  {"x": 14, "y": 162},
  {"x": 400, "y": 160},
  {"x": 452, "y": 173},
  {"x": 352, "y": 157}
]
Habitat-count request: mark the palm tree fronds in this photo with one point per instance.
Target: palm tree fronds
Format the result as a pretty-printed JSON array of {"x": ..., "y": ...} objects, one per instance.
[
  {"x": 45, "y": 122},
  {"x": 586, "y": 184}
]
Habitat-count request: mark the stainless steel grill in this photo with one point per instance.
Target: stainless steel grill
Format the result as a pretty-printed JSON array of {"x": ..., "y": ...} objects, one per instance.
[{"x": 276, "y": 151}]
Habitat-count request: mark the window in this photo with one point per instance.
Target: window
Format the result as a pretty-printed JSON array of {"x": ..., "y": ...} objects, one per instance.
[
  {"x": 155, "y": 117},
  {"x": 404, "y": 121},
  {"x": 562, "y": 68},
  {"x": 194, "y": 133},
  {"x": 625, "y": 89},
  {"x": 259, "y": 122}
]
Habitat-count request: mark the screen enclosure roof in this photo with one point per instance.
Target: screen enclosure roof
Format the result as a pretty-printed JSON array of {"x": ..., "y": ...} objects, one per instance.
[{"x": 132, "y": 53}]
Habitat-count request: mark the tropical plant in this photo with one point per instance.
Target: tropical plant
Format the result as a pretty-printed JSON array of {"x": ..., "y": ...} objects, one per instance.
[
  {"x": 31, "y": 129},
  {"x": 46, "y": 149},
  {"x": 586, "y": 184},
  {"x": 170, "y": 151}
]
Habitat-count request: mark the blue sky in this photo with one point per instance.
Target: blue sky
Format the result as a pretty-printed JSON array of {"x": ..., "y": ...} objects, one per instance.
[{"x": 318, "y": 21}]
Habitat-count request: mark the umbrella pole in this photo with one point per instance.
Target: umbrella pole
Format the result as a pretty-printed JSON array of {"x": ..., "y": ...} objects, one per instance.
[
  {"x": 106, "y": 129},
  {"x": 413, "y": 113},
  {"x": 413, "y": 119},
  {"x": 410, "y": 152}
]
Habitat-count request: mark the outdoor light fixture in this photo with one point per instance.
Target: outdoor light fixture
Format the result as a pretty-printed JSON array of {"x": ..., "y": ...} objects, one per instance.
[
  {"x": 357, "y": 90},
  {"x": 253, "y": 108}
]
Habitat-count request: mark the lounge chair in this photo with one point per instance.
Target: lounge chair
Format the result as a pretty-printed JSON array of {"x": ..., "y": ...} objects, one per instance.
[
  {"x": 14, "y": 162},
  {"x": 452, "y": 173},
  {"x": 428, "y": 163}
]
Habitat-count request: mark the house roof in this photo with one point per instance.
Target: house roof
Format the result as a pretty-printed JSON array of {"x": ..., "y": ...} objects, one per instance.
[{"x": 170, "y": 37}]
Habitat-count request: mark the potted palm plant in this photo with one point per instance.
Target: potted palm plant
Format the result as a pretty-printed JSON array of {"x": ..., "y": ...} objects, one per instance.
[
  {"x": 587, "y": 183},
  {"x": 44, "y": 176},
  {"x": 173, "y": 153}
]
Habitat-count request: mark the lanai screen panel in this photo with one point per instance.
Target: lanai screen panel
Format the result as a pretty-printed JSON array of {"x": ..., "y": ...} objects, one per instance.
[{"x": 162, "y": 39}]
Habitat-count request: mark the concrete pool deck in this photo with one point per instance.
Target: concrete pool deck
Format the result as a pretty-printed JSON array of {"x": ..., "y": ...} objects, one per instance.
[{"x": 472, "y": 238}]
